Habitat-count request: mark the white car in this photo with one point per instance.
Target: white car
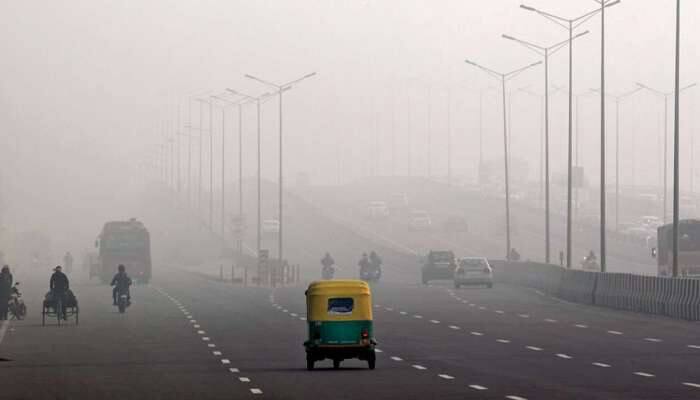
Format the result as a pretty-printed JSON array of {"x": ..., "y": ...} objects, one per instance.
[
  {"x": 473, "y": 271},
  {"x": 420, "y": 220}
]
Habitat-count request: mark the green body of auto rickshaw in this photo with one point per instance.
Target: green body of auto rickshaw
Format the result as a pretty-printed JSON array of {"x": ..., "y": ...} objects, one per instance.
[{"x": 339, "y": 318}]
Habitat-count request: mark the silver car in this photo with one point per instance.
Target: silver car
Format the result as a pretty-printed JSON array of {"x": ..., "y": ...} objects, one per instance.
[{"x": 473, "y": 271}]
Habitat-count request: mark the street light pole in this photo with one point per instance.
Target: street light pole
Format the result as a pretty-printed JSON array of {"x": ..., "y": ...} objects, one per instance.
[
  {"x": 280, "y": 89},
  {"x": 504, "y": 77},
  {"x": 570, "y": 24},
  {"x": 545, "y": 52},
  {"x": 676, "y": 141}
]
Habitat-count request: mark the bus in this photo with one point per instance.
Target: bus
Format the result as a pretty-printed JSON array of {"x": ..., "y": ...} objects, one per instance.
[
  {"x": 124, "y": 242},
  {"x": 688, "y": 248}
]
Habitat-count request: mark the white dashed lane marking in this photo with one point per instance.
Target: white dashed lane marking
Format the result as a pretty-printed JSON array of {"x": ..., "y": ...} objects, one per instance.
[
  {"x": 615, "y": 332},
  {"x": 212, "y": 345},
  {"x": 455, "y": 327},
  {"x": 513, "y": 397},
  {"x": 445, "y": 376},
  {"x": 695, "y": 385},
  {"x": 419, "y": 367},
  {"x": 434, "y": 321},
  {"x": 216, "y": 353},
  {"x": 201, "y": 332},
  {"x": 478, "y": 387},
  {"x": 654, "y": 340},
  {"x": 503, "y": 340},
  {"x": 255, "y": 391},
  {"x": 477, "y": 333},
  {"x": 206, "y": 339},
  {"x": 533, "y": 348},
  {"x": 418, "y": 316},
  {"x": 601, "y": 365},
  {"x": 378, "y": 351},
  {"x": 244, "y": 379},
  {"x": 644, "y": 374},
  {"x": 524, "y": 315},
  {"x": 294, "y": 314},
  {"x": 403, "y": 312},
  {"x": 499, "y": 312},
  {"x": 582, "y": 326},
  {"x": 234, "y": 370},
  {"x": 396, "y": 358},
  {"x": 551, "y": 321},
  {"x": 693, "y": 346},
  {"x": 564, "y": 356}
]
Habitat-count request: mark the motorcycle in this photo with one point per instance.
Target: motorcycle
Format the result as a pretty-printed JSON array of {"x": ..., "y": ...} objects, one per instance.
[
  {"x": 327, "y": 272},
  {"x": 370, "y": 274},
  {"x": 16, "y": 305},
  {"x": 588, "y": 264},
  {"x": 123, "y": 300}
]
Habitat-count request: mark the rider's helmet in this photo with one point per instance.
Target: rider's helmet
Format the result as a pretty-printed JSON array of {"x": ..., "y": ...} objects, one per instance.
[
  {"x": 121, "y": 268},
  {"x": 5, "y": 269}
]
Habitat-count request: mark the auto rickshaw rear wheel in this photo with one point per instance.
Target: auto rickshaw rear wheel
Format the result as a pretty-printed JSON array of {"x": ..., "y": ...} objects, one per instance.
[
  {"x": 309, "y": 363},
  {"x": 372, "y": 359}
]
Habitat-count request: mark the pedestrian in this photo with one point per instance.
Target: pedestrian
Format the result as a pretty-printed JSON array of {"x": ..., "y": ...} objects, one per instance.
[{"x": 5, "y": 291}]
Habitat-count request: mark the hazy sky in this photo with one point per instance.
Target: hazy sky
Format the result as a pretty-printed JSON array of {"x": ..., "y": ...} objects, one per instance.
[{"x": 87, "y": 86}]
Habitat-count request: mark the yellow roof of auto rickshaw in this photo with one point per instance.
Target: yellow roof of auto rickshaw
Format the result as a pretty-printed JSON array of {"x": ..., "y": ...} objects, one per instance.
[{"x": 338, "y": 287}]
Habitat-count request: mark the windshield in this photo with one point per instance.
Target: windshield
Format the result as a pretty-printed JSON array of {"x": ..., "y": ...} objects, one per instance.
[{"x": 340, "y": 306}]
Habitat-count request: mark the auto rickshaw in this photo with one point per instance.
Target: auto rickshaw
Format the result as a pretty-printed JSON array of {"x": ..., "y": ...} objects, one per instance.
[{"x": 339, "y": 318}]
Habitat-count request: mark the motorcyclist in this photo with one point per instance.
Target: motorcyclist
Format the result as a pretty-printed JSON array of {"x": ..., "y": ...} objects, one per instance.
[
  {"x": 591, "y": 256},
  {"x": 68, "y": 261},
  {"x": 364, "y": 264},
  {"x": 121, "y": 283},
  {"x": 5, "y": 291},
  {"x": 375, "y": 263},
  {"x": 59, "y": 285},
  {"x": 327, "y": 260}
]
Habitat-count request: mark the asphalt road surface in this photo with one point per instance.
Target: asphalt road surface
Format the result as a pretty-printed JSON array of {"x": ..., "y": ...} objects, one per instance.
[{"x": 188, "y": 337}]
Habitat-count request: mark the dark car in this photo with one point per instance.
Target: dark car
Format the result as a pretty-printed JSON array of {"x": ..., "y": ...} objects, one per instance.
[{"x": 439, "y": 265}]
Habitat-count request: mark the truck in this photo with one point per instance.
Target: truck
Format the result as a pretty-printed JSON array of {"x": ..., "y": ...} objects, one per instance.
[{"x": 127, "y": 243}]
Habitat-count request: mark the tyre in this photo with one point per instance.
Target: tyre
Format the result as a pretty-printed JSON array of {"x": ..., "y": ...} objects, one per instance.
[
  {"x": 336, "y": 364},
  {"x": 122, "y": 306},
  {"x": 372, "y": 359},
  {"x": 309, "y": 363}
]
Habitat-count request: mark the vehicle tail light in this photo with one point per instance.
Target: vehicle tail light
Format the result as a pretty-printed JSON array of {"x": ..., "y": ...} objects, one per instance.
[{"x": 365, "y": 334}]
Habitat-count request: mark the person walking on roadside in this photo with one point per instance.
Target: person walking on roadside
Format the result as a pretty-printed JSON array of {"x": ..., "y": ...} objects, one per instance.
[{"x": 5, "y": 291}]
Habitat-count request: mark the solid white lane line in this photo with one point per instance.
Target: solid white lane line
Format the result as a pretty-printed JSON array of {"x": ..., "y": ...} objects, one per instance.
[
  {"x": 533, "y": 348},
  {"x": 695, "y": 385},
  {"x": 582, "y": 326},
  {"x": 615, "y": 332},
  {"x": 564, "y": 356},
  {"x": 216, "y": 353},
  {"x": 420, "y": 367},
  {"x": 694, "y": 346},
  {"x": 513, "y": 397},
  {"x": 654, "y": 340},
  {"x": 477, "y": 333},
  {"x": 601, "y": 365},
  {"x": 478, "y": 387},
  {"x": 396, "y": 358},
  {"x": 644, "y": 374},
  {"x": 455, "y": 327},
  {"x": 255, "y": 391},
  {"x": 551, "y": 321},
  {"x": 244, "y": 379},
  {"x": 503, "y": 340},
  {"x": 445, "y": 376},
  {"x": 225, "y": 361},
  {"x": 234, "y": 370},
  {"x": 434, "y": 321}
]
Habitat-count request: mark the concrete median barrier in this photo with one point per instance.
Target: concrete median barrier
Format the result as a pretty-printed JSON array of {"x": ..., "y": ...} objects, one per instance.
[{"x": 674, "y": 297}]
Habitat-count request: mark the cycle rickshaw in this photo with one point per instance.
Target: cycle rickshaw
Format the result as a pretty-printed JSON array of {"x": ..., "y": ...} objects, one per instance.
[{"x": 54, "y": 304}]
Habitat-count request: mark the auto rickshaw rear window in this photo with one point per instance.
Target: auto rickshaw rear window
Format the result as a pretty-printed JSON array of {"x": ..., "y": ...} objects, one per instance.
[{"x": 340, "y": 306}]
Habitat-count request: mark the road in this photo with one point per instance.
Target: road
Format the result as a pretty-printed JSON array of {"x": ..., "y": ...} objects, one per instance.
[{"x": 189, "y": 337}]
